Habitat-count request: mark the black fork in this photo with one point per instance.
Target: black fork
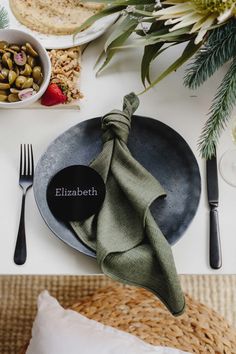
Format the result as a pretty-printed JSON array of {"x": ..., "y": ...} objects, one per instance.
[{"x": 25, "y": 181}]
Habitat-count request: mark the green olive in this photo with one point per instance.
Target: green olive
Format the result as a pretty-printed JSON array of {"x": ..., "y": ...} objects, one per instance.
[
  {"x": 13, "y": 97},
  {"x": 6, "y": 55},
  {"x": 27, "y": 70},
  {"x": 5, "y": 58},
  {"x": 9, "y": 63},
  {"x": 9, "y": 50},
  {"x": 4, "y": 86},
  {"x": 3, "y": 98},
  {"x": 36, "y": 87},
  {"x": 2, "y": 77},
  {"x": 39, "y": 79},
  {"x": 28, "y": 83},
  {"x": 31, "y": 61},
  {"x": 14, "y": 90},
  {"x": 30, "y": 50},
  {"x": 20, "y": 80},
  {"x": 15, "y": 47},
  {"x": 5, "y": 72},
  {"x": 12, "y": 77},
  {"x": 37, "y": 73},
  {"x": 3, "y": 44},
  {"x": 21, "y": 72},
  {"x": 17, "y": 71}
]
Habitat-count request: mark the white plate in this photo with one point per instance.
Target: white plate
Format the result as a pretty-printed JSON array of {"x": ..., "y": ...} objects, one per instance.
[{"x": 63, "y": 41}]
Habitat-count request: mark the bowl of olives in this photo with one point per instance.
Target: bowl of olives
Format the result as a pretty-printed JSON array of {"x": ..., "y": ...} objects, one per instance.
[{"x": 25, "y": 69}]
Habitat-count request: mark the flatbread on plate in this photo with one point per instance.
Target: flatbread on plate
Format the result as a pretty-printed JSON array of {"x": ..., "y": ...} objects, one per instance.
[{"x": 59, "y": 17}]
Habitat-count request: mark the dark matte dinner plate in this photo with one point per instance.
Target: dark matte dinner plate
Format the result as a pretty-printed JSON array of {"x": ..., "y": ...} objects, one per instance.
[{"x": 159, "y": 148}]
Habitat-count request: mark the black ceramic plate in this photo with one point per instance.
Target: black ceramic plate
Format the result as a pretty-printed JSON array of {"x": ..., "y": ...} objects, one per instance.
[{"x": 159, "y": 148}]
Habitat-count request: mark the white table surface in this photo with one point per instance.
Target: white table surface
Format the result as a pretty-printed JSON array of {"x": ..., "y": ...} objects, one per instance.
[{"x": 170, "y": 102}]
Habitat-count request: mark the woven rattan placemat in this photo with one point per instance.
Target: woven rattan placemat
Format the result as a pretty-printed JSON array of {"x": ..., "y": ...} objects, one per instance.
[{"x": 18, "y": 296}]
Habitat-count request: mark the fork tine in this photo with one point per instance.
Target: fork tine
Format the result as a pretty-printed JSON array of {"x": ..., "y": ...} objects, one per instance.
[
  {"x": 32, "y": 160},
  {"x": 21, "y": 150},
  {"x": 24, "y": 161},
  {"x": 28, "y": 160}
]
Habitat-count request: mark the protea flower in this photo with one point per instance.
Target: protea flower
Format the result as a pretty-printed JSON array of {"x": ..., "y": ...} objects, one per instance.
[{"x": 200, "y": 15}]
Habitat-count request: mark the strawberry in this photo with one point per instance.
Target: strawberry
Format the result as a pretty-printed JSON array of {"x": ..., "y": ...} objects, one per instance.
[{"x": 53, "y": 95}]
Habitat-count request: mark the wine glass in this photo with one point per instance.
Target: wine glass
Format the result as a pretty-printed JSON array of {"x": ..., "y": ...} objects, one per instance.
[{"x": 228, "y": 161}]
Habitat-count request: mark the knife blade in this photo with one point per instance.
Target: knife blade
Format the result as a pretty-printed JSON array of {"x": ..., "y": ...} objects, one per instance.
[{"x": 215, "y": 253}]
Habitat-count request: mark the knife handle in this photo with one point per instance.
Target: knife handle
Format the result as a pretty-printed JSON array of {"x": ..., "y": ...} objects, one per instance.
[{"x": 215, "y": 245}]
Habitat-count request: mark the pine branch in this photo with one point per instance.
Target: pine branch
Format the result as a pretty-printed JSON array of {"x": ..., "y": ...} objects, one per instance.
[
  {"x": 4, "y": 21},
  {"x": 220, "y": 112},
  {"x": 221, "y": 31},
  {"x": 219, "y": 48}
]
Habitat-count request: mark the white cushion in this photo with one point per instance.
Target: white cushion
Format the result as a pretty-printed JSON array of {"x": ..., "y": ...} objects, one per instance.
[{"x": 59, "y": 331}]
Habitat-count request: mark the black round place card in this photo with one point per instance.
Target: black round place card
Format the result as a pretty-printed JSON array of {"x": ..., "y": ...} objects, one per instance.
[{"x": 75, "y": 193}]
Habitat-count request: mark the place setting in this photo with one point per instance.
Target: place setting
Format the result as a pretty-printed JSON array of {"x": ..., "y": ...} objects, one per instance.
[
  {"x": 121, "y": 188},
  {"x": 122, "y": 216}
]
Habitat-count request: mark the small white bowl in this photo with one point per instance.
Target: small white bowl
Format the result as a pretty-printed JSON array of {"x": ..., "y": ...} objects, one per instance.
[{"x": 21, "y": 37}]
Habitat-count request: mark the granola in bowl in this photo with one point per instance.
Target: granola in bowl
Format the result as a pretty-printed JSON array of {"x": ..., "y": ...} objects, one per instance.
[{"x": 66, "y": 71}]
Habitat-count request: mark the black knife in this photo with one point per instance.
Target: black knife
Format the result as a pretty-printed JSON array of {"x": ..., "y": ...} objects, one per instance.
[{"x": 213, "y": 200}]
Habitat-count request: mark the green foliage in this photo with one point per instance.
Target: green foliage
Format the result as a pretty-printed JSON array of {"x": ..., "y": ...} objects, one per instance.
[
  {"x": 118, "y": 37},
  {"x": 4, "y": 21},
  {"x": 154, "y": 44},
  {"x": 106, "y": 12},
  {"x": 220, "y": 113},
  {"x": 188, "y": 52},
  {"x": 219, "y": 48}
]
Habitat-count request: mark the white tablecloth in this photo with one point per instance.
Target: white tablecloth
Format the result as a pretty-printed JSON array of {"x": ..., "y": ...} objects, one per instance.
[{"x": 170, "y": 102}]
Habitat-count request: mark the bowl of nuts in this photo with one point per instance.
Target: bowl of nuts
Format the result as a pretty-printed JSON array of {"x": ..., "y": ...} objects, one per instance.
[{"x": 25, "y": 69}]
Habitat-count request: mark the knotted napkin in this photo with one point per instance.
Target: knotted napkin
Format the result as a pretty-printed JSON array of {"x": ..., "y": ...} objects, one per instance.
[{"x": 129, "y": 245}]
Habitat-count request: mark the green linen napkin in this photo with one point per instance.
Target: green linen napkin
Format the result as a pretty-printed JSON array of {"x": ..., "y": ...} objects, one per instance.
[{"x": 129, "y": 245}]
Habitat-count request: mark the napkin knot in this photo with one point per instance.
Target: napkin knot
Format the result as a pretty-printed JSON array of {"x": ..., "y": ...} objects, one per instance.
[{"x": 116, "y": 124}]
